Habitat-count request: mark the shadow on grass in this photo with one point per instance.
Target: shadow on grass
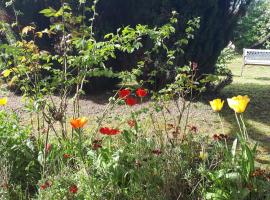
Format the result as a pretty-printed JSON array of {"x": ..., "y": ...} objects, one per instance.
[
  {"x": 101, "y": 98},
  {"x": 263, "y": 78}
]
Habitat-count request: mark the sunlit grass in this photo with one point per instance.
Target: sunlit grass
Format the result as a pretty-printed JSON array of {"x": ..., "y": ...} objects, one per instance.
[{"x": 255, "y": 83}]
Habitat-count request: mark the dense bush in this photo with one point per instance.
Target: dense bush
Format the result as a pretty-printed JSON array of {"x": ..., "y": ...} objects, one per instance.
[
  {"x": 19, "y": 166},
  {"x": 253, "y": 30},
  {"x": 222, "y": 64},
  {"x": 217, "y": 21}
]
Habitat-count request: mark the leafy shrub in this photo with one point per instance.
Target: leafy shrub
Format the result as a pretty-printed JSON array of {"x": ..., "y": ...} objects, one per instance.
[
  {"x": 253, "y": 30},
  {"x": 19, "y": 152},
  {"x": 222, "y": 64},
  {"x": 207, "y": 43},
  {"x": 223, "y": 75}
]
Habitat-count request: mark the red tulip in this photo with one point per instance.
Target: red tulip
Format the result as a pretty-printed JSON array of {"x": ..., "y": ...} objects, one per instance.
[
  {"x": 48, "y": 148},
  {"x": 66, "y": 156},
  {"x": 216, "y": 137},
  {"x": 96, "y": 146},
  {"x": 46, "y": 185},
  {"x": 194, "y": 66},
  {"x": 131, "y": 101},
  {"x": 157, "y": 151},
  {"x": 219, "y": 137},
  {"x": 109, "y": 131},
  {"x": 73, "y": 189},
  {"x": 97, "y": 141},
  {"x": 43, "y": 187},
  {"x": 193, "y": 129},
  {"x": 124, "y": 93},
  {"x": 141, "y": 92}
]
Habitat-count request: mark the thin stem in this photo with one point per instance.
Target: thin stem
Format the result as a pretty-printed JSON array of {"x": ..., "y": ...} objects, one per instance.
[
  {"x": 222, "y": 126},
  {"x": 166, "y": 130},
  {"x": 187, "y": 116},
  {"x": 244, "y": 126},
  {"x": 80, "y": 143},
  {"x": 180, "y": 111},
  {"x": 46, "y": 149},
  {"x": 109, "y": 107},
  {"x": 239, "y": 124}
]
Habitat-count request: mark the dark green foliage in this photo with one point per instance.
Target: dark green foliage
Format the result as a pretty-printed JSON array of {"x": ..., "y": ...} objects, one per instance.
[
  {"x": 222, "y": 64},
  {"x": 254, "y": 29},
  {"x": 217, "y": 21}
]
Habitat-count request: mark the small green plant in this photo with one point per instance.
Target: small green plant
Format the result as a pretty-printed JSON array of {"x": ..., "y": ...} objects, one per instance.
[
  {"x": 222, "y": 64},
  {"x": 236, "y": 177},
  {"x": 18, "y": 151}
]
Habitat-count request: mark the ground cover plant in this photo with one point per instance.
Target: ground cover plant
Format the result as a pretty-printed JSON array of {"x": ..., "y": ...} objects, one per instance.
[
  {"x": 150, "y": 152},
  {"x": 123, "y": 159}
]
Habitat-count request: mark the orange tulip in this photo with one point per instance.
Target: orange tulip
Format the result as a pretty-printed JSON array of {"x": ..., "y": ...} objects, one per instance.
[{"x": 78, "y": 122}]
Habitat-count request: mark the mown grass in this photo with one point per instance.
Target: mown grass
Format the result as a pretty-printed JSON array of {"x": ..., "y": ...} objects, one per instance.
[{"x": 255, "y": 83}]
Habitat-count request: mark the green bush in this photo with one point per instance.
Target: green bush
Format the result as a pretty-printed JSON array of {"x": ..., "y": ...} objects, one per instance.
[
  {"x": 253, "y": 30},
  {"x": 217, "y": 21},
  {"x": 18, "y": 151},
  {"x": 224, "y": 59}
]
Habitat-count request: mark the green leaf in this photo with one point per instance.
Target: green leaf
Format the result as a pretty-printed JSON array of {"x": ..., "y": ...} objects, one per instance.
[
  {"x": 48, "y": 12},
  {"x": 82, "y": 1},
  {"x": 234, "y": 147},
  {"x": 126, "y": 135}
]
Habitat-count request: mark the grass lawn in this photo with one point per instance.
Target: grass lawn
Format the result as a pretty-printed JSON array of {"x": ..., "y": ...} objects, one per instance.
[{"x": 255, "y": 83}]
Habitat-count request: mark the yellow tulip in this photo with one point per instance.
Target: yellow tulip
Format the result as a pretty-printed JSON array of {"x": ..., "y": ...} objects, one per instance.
[
  {"x": 6, "y": 73},
  {"x": 3, "y": 101},
  {"x": 203, "y": 155},
  {"x": 217, "y": 104},
  {"x": 239, "y": 103}
]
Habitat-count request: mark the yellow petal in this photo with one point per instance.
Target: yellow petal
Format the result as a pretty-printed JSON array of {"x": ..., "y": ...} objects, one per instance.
[
  {"x": 203, "y": 155},
  {"x": 3, "y": 101},
  {"x": 238, "y": 103},
  {"x": 6, "y": 73},
  {"x": 39, "y": 34},
  {"x": 217, "y": 104},
  {"x": 27, "y": 29}
]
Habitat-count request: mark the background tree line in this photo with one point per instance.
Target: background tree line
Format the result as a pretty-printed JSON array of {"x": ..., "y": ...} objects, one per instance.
[
  {"x": 218, "y": 21},
  {"x": 253, "y": 30}
]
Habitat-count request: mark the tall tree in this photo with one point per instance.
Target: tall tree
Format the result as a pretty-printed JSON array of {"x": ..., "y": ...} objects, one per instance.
[{"x": 218, "y": 19}]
